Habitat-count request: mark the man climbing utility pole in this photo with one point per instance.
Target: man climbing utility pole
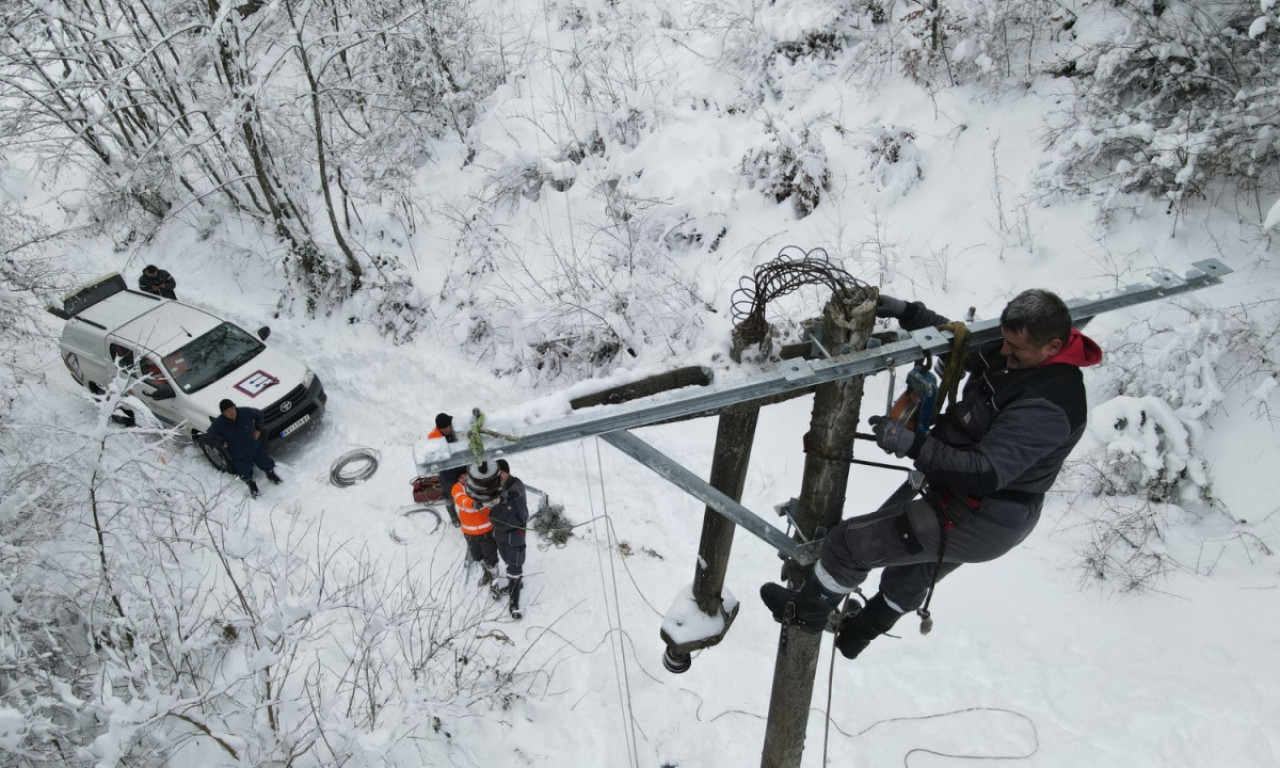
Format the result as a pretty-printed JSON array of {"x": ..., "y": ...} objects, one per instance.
[{"x": 847, "y": 322}]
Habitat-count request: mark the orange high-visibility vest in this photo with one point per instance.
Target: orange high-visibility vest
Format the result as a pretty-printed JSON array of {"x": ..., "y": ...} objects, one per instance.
[{"x": 475, "y": 522}]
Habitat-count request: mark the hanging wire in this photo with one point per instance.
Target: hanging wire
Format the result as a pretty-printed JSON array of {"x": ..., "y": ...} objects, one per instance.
[
  {"x": 615, "y": 645},
  {"x": 792, "y": 269}
]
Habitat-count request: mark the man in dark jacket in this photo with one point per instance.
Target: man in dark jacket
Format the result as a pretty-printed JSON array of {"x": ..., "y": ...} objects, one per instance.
[
  {"x": 449, "y": 476},
  {"x": 240, "y": 432},
  {"x": 510, "y": 517},
  {"x": 157, "y": 281},
  {"x": 987, "y": 465}
]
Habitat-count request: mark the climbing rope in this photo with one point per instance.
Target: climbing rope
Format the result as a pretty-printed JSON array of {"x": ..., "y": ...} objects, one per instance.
[
  {"x": 474, "y": 440},
  {"x": 340, "y": 476},
  {"x": 950, "y": 385},
  {"x": 954, "y": 370}
]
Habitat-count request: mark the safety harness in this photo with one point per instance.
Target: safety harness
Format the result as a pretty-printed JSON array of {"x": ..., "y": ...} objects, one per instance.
[{"x": 941, "y": 499}]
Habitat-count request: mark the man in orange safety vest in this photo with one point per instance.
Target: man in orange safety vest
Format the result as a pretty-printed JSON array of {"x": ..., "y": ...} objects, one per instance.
[{"x": 479, "y": 488}]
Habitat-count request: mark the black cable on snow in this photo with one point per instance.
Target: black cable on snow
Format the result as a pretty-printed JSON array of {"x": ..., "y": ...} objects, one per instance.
[{"x": 366, "y": 460}]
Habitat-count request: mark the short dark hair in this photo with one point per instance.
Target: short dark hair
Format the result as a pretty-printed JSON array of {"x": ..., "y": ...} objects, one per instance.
[
  {"x": 443, "y": 421},
  {"x": 503, "y": 466},
  {"x": 150, "y": 268},
  {"x": 1041, "y": 314}
]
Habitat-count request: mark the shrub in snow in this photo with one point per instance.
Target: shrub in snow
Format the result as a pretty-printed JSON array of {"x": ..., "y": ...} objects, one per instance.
[
  {"x": 896, "y": 163},
  {"x": 1181, "y": 101},
  {"x": 147, "y": 616},
  {"x": 1161, "y": 381},
  {"x": 1148, "y": 451},
  {"x": 260, "y": 111},
  {"x": 995, "y": 40},
  {"x": 789, "y": 167}
]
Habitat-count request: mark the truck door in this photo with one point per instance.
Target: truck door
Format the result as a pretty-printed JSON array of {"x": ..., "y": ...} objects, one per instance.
[{"x": 155, "y": 388}]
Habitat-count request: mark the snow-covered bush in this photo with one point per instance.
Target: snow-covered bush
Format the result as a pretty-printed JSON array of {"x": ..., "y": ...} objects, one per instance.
[
  {"x": 790, "y": 167},
  {"x": 1184, "y": 100},
  {"x": 897, "y": 164},
  {"x": 1161, "y": 382},
  {"x": 1148, "y": 451},
  {"x": 146, "y": 617},
  {"x": 999, "y": 40},
  {"x": 307, "y": 120}
]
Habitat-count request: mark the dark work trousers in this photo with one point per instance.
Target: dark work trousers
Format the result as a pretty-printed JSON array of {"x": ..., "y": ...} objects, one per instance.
[
  {"x": 448, "y": 477},
  {"x": 483, "y": 549},
  {"x": 244, "y": 462},
  {"x": 904, "y": 540},
  {"x": 511, "y": 548}
]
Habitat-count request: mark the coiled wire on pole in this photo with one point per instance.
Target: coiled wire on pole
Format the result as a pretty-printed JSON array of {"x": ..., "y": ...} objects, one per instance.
[
  {"x": 792, "y": 269},
  {"x": 367, "y": 460}
]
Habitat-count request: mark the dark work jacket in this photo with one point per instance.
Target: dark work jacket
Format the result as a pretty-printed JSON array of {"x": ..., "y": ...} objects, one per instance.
[
  {"x": 162, "y": 284},
  {"x": 512, "y": 509},
  {"x": 238, "y": 434},
  {"x": 1011, "y": 430}
]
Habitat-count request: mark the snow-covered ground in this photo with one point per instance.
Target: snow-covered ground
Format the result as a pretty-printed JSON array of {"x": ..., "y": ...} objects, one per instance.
[{"x": 1029, "y": 658}]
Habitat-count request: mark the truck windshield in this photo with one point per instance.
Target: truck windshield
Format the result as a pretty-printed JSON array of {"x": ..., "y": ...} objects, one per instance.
[{"x": 211, "y": 357}]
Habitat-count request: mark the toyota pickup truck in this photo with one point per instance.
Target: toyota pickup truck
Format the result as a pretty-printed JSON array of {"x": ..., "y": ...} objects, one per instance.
[{"x": 180, "y": 361}]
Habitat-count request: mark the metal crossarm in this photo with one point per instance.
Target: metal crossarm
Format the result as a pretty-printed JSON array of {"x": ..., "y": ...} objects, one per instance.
[
  {"x": 682, "y": 478},
  {"x": 794, "y": 375}
]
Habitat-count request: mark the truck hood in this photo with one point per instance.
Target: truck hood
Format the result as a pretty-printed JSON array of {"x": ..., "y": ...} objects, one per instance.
[{"x": 259, "y": 383}]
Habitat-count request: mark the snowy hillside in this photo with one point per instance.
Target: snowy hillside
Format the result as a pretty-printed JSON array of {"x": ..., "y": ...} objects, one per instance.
[{"x": 586, "y": 225}]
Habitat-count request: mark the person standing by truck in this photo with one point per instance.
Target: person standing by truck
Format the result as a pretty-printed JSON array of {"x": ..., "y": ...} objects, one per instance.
[
  {"x": 240, "y": 432},
  {"x": 157, "y": 281}
]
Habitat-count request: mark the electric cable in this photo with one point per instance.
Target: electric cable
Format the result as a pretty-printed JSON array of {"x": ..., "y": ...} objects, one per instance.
[
  {"x": 367, "y": 460},
  {"x": 619, "y": 653}
]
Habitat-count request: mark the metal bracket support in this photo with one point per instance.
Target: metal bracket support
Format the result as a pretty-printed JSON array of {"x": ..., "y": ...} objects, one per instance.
[{"x": 708, "y": 494}]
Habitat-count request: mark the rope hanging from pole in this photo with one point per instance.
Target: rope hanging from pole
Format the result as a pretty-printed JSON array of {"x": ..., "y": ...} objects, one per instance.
[
  {"x": 474, "y": 440},
  {"x": 954, "y": 370}
]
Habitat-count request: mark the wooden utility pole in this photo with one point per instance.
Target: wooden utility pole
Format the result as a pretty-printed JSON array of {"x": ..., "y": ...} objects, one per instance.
[
  {"x": 847, "y": 321},
  {"x": 735, "y": 433}
]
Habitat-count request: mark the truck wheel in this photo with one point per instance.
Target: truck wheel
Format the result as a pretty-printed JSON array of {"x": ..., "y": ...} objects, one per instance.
[
  {"x": 216, "y": 456},
  {"x": 124, "y": 417}
]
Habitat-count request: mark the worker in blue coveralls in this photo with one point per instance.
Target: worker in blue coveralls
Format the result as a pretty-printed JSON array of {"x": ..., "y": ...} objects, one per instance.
[{"x": 240, "y": 431}]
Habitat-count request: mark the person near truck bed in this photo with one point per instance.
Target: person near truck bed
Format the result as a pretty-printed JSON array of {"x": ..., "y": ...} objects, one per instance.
[
  {"x": 987, "y": 465},
  {"x": 448, "y": 477},
  {"x": 157, "y": 281},
  {"x": 239, "y": 430}
]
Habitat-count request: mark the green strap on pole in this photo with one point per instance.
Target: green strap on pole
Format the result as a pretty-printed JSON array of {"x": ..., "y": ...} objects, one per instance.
[
  {"x": 474, "y": 440},
  {"x": 954, "y": 370}
]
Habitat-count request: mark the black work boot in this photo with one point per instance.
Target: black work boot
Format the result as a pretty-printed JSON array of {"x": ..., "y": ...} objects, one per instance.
[
  {"x": 487, "y": 577},
  {"x": 808, "y": 608},
  {"x": 513, "y": 590},
  {"x": 273, "y": 477},
  {"x": 253, "y": 487},
  {"x": 859, "y": 629}
]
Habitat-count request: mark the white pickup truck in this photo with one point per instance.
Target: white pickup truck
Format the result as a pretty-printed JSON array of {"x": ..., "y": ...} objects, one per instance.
[{"x": 181, "y": 361}]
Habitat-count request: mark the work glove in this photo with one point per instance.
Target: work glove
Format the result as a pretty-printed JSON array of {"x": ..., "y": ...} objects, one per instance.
[
  {"x": 894, "y": 436},
  {"x": 888, "y": 306}
]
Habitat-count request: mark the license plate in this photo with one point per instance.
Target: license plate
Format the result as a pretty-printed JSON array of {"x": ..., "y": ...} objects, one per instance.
[{"x": 295, "y": 426}]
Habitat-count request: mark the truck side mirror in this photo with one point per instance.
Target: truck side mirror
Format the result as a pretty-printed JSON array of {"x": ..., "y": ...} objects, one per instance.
[
  {"x": 162, "y": 392},
  {"x": 264, "y": 332}
]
